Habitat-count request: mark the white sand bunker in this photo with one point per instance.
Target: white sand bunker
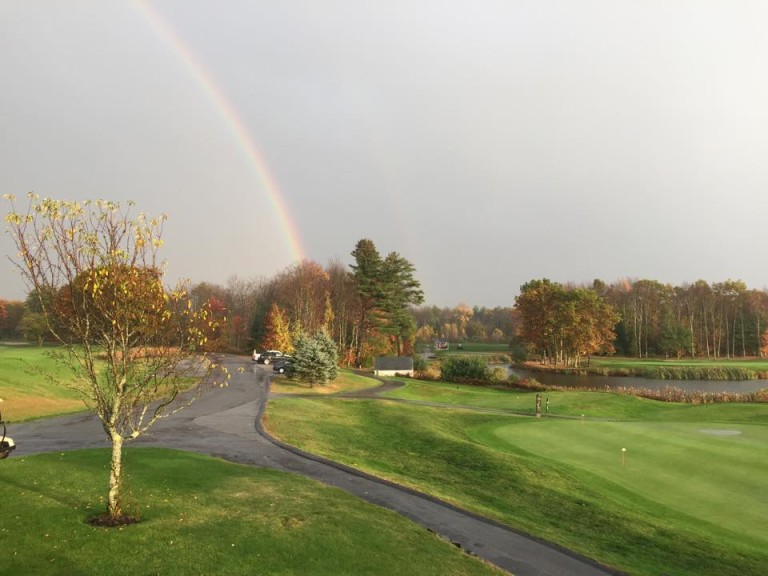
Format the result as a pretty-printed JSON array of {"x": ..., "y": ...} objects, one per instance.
[{"x": 720, "y": 432}]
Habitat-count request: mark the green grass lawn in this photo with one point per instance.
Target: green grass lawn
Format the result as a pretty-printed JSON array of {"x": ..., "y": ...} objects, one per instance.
[
  {"x": 200, "y": 515},
  {"x": 486, "y": 349},
  {"x": 25, "y": 392},
  {"x": 346, "y": 381},
  {"x": 482, "y": 347},
  {"x": 686, "y": 502},
  {"x": 26, "y": 387},
  {"x": 689, "y": 500},
  {"x": 714, "y": 475},
  {"x": 574, "y": 404}
]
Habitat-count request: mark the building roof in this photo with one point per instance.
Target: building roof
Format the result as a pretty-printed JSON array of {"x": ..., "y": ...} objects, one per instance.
[{"x": 393, "y": 363}]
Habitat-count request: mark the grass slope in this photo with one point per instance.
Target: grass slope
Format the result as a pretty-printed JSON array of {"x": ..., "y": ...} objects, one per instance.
[
  {"x": 574, "y": 404},
  {"x": 685, "y": 503},
  {"x": 25, "y": 393},
  {"x": 346, "y": 381},
  {"x": 698, "y": 473},
  {"x": 204, "y": 516}
]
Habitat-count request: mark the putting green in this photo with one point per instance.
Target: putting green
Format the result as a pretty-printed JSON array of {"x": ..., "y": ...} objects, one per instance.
[{"x": 714, "y": 473}]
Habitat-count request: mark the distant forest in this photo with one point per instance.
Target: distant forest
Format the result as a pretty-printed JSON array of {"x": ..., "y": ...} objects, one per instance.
[{"x": 718, "y": 320}]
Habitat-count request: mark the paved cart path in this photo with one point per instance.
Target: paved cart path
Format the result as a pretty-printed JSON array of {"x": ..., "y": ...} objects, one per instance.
[{"x": 226, "y": 423}]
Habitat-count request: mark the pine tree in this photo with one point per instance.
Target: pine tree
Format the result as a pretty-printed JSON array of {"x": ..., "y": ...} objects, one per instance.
[
  {"x": 386, "y": 288},
  {"x": 315, "y": 359}
]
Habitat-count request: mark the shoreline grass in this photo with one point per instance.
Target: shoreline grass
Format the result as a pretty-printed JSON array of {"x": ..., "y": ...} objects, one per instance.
[{"x": 663, "y": 368}]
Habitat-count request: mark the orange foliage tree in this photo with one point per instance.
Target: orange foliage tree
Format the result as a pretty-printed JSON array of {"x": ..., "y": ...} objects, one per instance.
[{"x": 278, "y": 331}]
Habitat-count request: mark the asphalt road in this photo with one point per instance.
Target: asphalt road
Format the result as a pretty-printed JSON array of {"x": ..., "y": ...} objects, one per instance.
[{"x": 226, "y": 423}]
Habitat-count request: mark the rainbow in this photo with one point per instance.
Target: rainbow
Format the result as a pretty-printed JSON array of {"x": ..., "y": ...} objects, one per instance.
[{"x": 233, "y": 121}]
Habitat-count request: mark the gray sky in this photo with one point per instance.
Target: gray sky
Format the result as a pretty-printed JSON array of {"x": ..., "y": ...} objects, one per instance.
[{"x": 489, "y": 142}]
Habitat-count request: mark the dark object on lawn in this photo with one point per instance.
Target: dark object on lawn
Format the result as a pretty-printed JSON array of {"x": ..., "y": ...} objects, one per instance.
[{"x": 7, "y": 445}]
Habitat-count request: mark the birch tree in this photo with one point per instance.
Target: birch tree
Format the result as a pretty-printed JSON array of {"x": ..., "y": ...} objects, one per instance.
[{"x": 129, "y": 342}]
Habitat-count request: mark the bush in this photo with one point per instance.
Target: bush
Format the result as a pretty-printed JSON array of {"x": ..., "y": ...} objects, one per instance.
[
  {"x": 518, "y": 351},
  {"x": 465, "y": 369},
  {"x": 419, "y": 363},
  {"x": 498, "y": 375}
]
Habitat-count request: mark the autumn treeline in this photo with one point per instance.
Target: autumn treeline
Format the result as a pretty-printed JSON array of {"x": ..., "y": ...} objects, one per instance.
[
  {"x": 245, "y": 308},
  {"x": 562, "y": 325},
  {"x": 718, "y": 320},
  {"x": 464, "y": 323},
  {"x": 11, "y": 313},
  {"x": 643, "y": 318},
  {"x": 371, "y": 308},
  {"x": 364, "y": 307},
  {"x": 303, "y": 298}
]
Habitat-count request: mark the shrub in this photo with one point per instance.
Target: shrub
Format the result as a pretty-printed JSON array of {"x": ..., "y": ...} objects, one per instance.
[
  {"x": 518, "y": 350},
  {"x": 498, "y": 375},
  {"x": 465, "y": 369},
  {"x": 419, "y": 363}
]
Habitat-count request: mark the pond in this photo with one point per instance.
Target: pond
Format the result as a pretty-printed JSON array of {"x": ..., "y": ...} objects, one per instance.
[{"x": 595, "y": 381}]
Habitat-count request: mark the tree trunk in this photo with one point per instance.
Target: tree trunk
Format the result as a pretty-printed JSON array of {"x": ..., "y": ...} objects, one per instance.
[
  {"x": 638, "y": 332},
  {"x": 693, "y": 340},
  {"x": 114, "y": 506},
  {"x": 743, "y": 335},
  {"x": 706, "y": 331}
]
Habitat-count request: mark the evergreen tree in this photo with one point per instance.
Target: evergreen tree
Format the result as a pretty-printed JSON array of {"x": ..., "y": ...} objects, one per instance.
[
  {"x": 367, "y": 274},
  {"x": 315, "y": 359},
  {"x": 400, "y": 290},
  {"x": 386, "y": 288}
]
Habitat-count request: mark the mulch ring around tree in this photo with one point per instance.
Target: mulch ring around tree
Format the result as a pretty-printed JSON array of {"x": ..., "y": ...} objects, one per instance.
[{"x": 107, "y": 521}]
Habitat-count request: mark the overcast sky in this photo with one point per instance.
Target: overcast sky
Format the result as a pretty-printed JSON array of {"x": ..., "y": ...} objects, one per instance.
[{"x": 489, "y": 142}]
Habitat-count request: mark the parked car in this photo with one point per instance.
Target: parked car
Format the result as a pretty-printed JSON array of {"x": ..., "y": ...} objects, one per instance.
[
  {"x": 283, "y": 366},
  {"x": 267, "y": 357}
]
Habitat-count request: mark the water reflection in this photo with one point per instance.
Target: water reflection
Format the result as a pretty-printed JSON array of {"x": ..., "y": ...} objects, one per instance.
[{"x": 577, "y": 381}]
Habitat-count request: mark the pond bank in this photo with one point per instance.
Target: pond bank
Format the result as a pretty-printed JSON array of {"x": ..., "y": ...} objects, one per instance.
[
  {"x": 593, "y": 381},
  {"x": 660, "y": 370}
]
